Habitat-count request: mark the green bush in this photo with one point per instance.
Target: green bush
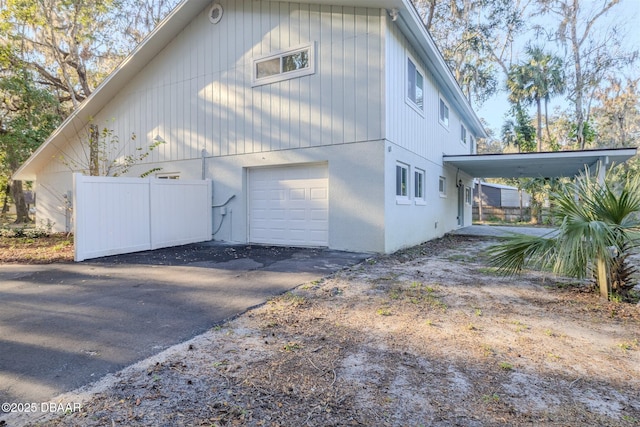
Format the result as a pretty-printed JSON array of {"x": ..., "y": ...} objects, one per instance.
[{"x": 43, "y": 230}]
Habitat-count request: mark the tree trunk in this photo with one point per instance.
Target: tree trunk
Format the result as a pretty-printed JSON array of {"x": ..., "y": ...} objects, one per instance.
[
  {"x": 94, "y": 150},
  {"x": 22, "y": 212},
  {"x": 602, "y": 278},
  {"x": 546, "y": 120},
  {"x": 432, "y": 12},
  {"x": 5, "y": 203},
  {"x": 539, "y": 124}
]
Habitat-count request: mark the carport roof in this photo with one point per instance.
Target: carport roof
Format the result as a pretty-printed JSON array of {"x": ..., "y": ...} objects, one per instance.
[{"x": 536, "y": 165}]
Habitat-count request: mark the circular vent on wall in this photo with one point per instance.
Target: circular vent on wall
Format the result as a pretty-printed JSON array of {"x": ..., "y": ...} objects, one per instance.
[{"x": 215, "y": 13}]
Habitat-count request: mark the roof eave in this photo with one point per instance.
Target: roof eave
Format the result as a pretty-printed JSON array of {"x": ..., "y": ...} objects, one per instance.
[
  {"x": 179, "y": 18},
  {"x": 143, "y": 53},
  {"x": 416, "y": 31}
]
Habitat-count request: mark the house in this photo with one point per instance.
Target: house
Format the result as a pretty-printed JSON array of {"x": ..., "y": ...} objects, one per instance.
[
  {"x": 499, "y": 195},
  {"x": 320, "y": 123},
  {"x": 326, "y": 120}
]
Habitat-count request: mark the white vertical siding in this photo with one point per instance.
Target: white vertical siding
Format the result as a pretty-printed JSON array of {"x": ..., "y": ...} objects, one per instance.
[
  {"x": 197, "y": 94},
  {"x": 419, "y": 133}
]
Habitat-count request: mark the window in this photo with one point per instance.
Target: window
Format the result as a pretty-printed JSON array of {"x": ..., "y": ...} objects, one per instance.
[
  {"x": 296, "y": 62},
  {"x": 418, "y": 186},
  {"x": 415, "y": 85},
  {"x": 442, "y": 186},
  {"x": 444, "y": 113},
  {"x": 467, "y": 195},
  {"x": 168, "y": 175},
  {"x": 402, "y": 180},
  {"x": 463, "y": 134}
]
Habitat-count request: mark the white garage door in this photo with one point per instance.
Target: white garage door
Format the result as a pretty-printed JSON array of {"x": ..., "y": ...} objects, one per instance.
[{"x": 289, "y": 205}]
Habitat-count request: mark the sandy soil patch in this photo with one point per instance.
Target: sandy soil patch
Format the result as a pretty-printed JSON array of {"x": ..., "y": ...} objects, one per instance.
[{"x": 429, "y": 336}]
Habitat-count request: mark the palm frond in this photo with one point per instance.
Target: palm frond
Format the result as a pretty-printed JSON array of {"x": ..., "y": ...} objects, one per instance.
[{"x": 521, "y": 251}]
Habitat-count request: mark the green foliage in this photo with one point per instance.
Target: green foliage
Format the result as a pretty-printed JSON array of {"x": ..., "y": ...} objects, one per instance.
[
  {"x": 475, "y": 38},
  {"x": 597, "y": 222},
  {"x": 71, "y": 45},
  {"x": 108, "y": 156},
  {"x": 588, "y": 132},
  {"x": 27, "y": 231},
  {"x": 520, "y": 132},
  {"x": 537, "y": 79},
  {"x": 28, "y": 115}
]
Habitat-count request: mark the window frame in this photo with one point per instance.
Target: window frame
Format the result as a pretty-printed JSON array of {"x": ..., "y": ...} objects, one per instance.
[
  {"x": 446, "y": 120},
  {"x": 167, "y": 175},
  {"x": 463, "y": 134},
  {"x": 283, "y": 75},
  {"x": 403, "y": 197},
  {"x": 419, "y": 107},
  {"x": 467, "y": 196},
  {"x": 442, "y": 186},
  {"x": 419, "y": 177}
]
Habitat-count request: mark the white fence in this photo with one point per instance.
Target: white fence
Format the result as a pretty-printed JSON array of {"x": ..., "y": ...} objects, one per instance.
[{"x": 121, "y": 215}]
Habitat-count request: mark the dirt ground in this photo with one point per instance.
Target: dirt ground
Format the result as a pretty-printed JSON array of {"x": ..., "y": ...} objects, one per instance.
[
  {"x": 429, "y": 336},
  {"x": 42, "y": 250}
]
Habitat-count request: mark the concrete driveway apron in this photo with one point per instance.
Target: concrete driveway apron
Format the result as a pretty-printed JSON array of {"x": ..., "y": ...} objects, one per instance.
[{"x": 63, "y": 326}]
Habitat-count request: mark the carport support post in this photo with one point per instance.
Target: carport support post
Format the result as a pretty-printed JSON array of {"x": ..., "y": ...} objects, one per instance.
[
  {"x": 480, "y": 200},
  {"x": 601, "y": 264},
  {"x": 601, "y": 170}
]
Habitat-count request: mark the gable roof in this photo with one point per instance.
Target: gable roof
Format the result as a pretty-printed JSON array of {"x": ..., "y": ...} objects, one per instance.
[{"x": 407, "y": 19}]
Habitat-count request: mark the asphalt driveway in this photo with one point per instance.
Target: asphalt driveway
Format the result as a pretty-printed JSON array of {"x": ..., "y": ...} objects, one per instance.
[{"x": 63, "y": 326}]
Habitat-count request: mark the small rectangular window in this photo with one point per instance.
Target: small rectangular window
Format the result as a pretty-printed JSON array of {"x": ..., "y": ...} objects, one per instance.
[
  {"x": 444, "y": 113},
  {"x": 296, "y": 61},
  {"x": 402, "y": 180},
  {"x": 289, "y": 64},
  {"x": 463, "y": 134},
  {"x": 267, "y": 68},
  {"x": 415, "y": 85},
  {"x": 467, "y": 195},
  {"x": 442, "y": 186},
  {"x": 168, "y": 175},
  {"x": 418, "y": 185}
]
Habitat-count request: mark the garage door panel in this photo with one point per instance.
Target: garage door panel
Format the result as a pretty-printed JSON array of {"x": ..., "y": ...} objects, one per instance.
[
  {"x": 295, "y": 210},
  {"x": 297, "y": 194},
  {"x": 298, "y": 215}
]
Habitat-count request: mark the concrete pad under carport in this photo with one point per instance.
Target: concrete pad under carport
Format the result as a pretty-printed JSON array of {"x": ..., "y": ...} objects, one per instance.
[
  {"x": 63, "y": 326},
  {"x": 503, "y": 231}
]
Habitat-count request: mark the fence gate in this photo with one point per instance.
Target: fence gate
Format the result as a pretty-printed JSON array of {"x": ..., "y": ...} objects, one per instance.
[{"x": 120, "y": 215}]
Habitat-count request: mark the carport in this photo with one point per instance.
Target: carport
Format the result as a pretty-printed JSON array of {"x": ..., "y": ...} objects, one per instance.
[{"x": 539, "y": 165}]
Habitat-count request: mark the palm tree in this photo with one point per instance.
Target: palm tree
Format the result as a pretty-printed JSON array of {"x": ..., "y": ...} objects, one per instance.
[
  {"x": 596, "y": 235},
  {"x": 519, "y": 132},
  {"x": 538, "y": 79}
]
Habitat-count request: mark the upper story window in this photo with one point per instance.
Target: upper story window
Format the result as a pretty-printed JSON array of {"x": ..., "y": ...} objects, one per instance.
[
  {"x": 284, "y": 65},
  {"x": 463, "y": 134},
  {"x": 415, "y": 85},
  {"x": 444, "y": 113}
]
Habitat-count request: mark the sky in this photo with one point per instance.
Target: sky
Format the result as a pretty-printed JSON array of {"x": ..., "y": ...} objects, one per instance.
[{"x": 627, "y": 11}]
